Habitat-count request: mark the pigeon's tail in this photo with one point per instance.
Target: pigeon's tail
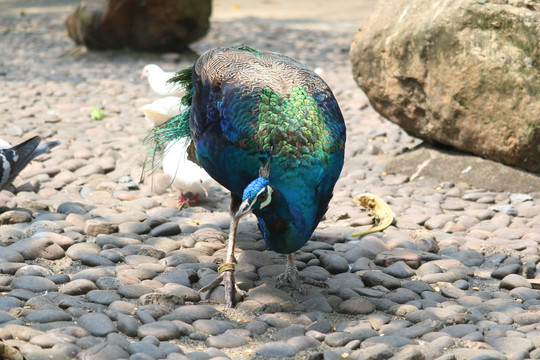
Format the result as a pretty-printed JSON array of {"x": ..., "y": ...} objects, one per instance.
[
  {"x": 42, "y": 149},
  {"x": 14, "y": 159}
]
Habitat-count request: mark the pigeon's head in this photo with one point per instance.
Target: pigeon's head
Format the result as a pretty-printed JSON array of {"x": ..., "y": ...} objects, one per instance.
[
  {"x": 150, "y": 69},
  {"x": 257, "y": 196}
]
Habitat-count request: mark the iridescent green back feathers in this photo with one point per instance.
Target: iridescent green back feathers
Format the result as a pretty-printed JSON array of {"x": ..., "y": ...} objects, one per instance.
[
  {"x": 293, "y": 125},
  {"x": 175, "y": 128}
]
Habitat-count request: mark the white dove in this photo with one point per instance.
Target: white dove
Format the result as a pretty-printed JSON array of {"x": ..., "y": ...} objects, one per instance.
[
  {"x": 189, "y": 178},
  {"x": 158, "y": 80},
  {"x": 162, "y": 110},
  {"x": 14, "y": 159}
]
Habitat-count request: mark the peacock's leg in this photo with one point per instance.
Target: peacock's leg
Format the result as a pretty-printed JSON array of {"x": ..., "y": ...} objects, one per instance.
[
  {"x": 226, "y": 270},
  {"x": 292, "y": 278}
]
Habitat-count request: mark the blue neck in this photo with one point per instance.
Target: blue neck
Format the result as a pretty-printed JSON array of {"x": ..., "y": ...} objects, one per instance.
[{"x": 283, "y": 227}]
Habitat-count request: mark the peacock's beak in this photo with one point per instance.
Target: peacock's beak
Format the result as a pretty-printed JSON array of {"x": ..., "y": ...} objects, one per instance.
[{"x": 244, "y": 209}]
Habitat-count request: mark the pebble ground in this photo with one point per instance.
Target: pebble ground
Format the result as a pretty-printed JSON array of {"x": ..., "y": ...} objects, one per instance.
[{"x": 95, "y": 265}]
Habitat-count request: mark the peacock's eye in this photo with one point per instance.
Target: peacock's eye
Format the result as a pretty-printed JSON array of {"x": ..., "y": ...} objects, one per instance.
[{"x": 262, "y": 197}]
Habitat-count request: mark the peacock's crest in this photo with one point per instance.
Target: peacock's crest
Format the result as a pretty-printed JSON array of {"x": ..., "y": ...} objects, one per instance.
[
  {"x": 254, "y": 188},
  {"x": 175, "y": 128}
]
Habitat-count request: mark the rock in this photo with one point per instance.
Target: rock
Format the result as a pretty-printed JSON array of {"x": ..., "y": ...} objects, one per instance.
[
  {"x": 134, "y": 227},
  {"x": 96, "y": 324},
  {"x": 338, "y": 338},
  {"x": 163, "y": 330},
  {"x": 181, "y": 277},
  {"x": 14, "y": 217},
  {"x": 373, "y": 278},
  {"x": 78, "y": 287},
  {"x": 190, "y": 313},
  {"x": 303, "y": 342},
  {"x": 399, "y": 270},
  {"x": 407, "y": 53},
  {"x": 257, "y": 327},
  {"x": 103, "y": 297},
  {"x": 356, "y": 307},
  {"x": 377, "y": 351},
  {"x": 76, "y": 251},
  {"x": 506, "y": 209},
  {"x": 104, "y": 350},
  {"x": 268, "y": 295},
  {"x": 150, "y": 350},
  {"x": 508, "y": 345},
  {"x": 35, "y": 247},
  {"x": 167, "y": 229},
  {"x": 226, "y": 341},
  {"x": 512, "y": 281},
  {"x": 49, "y": 315},
  {"x": 95, "y": 260},
  {"x": 212, "y": 327},
  {"x": 33, "y": 283},
  {"x": 71, "y": 208},
  {"x": 277, "y": 349},
  {"x": 116, "y": 24},
  {"x": 335, "y": 264},
  {"x": 94, "y": 227},
  {"x": 387, "y": 258},
  {"x": 42, "y": 226},
  {"x": 288, "y": 333}
]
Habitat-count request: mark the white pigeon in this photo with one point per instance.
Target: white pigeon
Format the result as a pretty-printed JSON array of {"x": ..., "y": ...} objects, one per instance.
[
  {"x": 189, "y": 178},
  {"x": 158, "y": 80},
  {"x": 14, "y": 159},
  {"x": 162, "y": 110}
]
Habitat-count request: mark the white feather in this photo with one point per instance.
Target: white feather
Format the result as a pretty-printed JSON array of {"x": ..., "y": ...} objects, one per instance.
[
  {"x": 185, "y": 175},
  {"x": 4, "y": 144},
  {"x": 162, "y": 110},
  {"x": 158, "y": 80}
]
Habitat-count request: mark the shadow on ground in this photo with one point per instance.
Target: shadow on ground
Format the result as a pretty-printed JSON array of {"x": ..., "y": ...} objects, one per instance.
[{"x": 447, "y": 165}]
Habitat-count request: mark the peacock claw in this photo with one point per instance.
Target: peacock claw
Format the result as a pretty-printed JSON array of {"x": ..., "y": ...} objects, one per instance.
[
  {"x": 292, "y": 278},
  {"x": 226, "y": 277},
  {"x": 299, "y": 282}
]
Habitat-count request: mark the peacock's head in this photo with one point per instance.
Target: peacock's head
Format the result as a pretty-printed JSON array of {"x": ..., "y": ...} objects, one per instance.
[{"x": 257, "y": 195}]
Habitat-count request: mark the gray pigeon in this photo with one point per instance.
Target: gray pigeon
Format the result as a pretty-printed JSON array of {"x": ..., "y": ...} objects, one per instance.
[{"x": 14, "y": 159}]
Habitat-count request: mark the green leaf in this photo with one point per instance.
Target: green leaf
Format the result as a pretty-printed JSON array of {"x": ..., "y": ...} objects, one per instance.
[{"x": 97, "y": 113}]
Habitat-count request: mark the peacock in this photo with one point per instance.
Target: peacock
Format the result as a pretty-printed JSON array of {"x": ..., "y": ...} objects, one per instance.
[{"x": 268, "y": 129}]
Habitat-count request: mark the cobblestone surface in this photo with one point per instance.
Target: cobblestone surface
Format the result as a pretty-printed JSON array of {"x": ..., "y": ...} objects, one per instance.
[{"x": 94, "y": 265}]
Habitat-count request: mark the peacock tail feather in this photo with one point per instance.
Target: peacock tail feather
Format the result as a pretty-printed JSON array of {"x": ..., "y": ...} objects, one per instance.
[{"x": 175, "y": 128}]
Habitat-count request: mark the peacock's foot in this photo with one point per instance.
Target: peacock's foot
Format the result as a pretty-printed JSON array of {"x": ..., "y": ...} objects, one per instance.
[
  {"x": 226, "y": 276},
  {"x": 292, "y": 278}
]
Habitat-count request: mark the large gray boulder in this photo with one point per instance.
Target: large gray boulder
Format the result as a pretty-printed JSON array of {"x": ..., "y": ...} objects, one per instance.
[
  {"x": 148, "y": 25},
  {"x": 464, "y": 73}
]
